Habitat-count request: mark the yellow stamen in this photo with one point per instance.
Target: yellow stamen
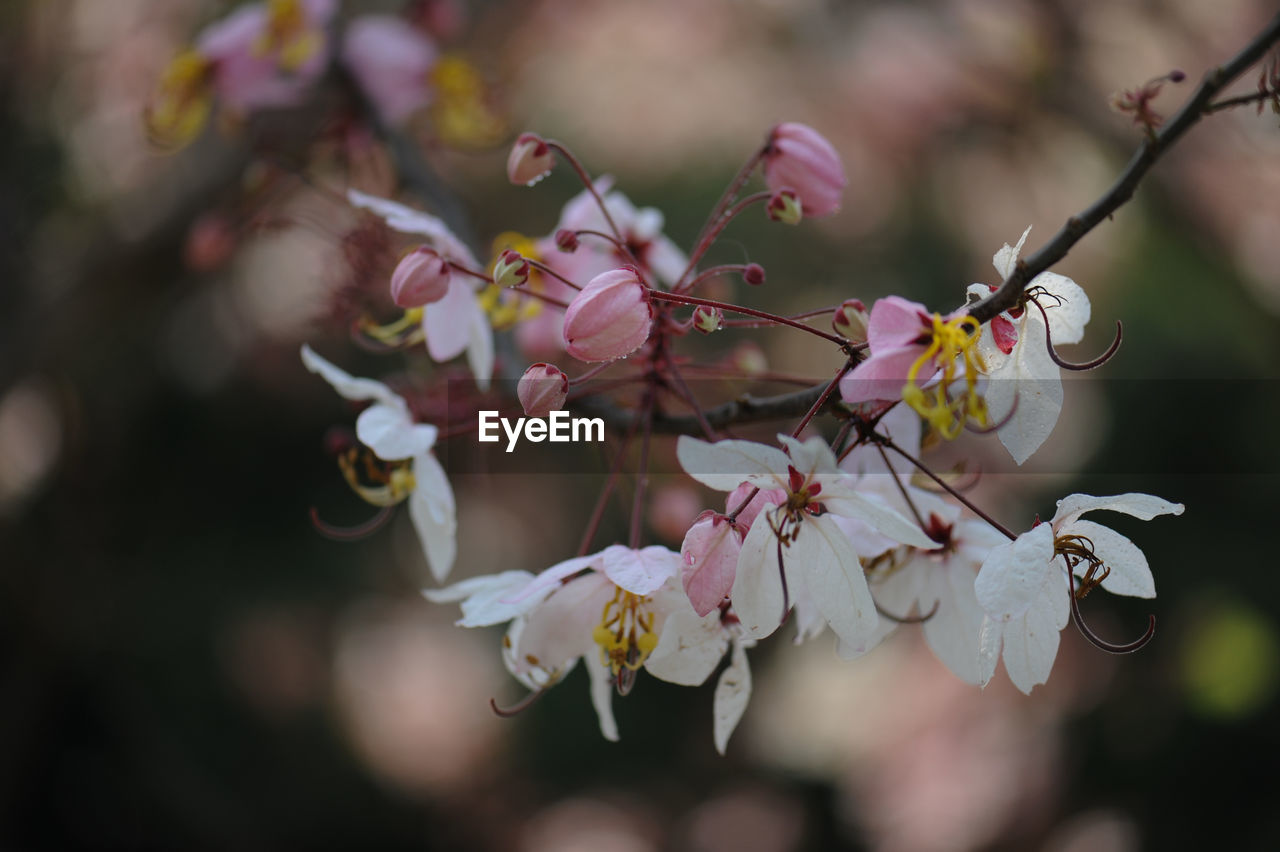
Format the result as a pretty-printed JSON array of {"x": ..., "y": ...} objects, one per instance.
[
  {"x": 287, "y": 36},
  {"x": 506, "y": 307},
  {"x": 402, "y": 332},
  {"x": 182, "y": 102},
  {"x": 378, "y": 487},
  {"x": 949, "y": 340},
  {"x": 625, "y": 633},
  {"x": 461, "y": 113}
]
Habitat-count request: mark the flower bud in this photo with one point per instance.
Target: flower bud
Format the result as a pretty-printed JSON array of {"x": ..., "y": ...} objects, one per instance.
[
  {"x": 800, "y": 158},
  {"x": 530, "y": 160},
  {"x": 753, "y": 274},
  {"x": 567, "y": 240},
  {"x": 542, "y": 389},
  {"x": 785, "y": 207},
  {"x": 511, "y": 269},
  {"x": 850, "y": 321},
  {"x": 710, "y": 561},
  {"x": 707, "y": 319},
  {"x": 610, "y": 318},
  {"x": 420, "y": 278}
]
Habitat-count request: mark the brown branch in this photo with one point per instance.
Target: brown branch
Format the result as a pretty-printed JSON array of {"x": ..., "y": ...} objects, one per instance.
[
  {"x": 1122, "y": 190},
  {"x": 744, "y": 409}
]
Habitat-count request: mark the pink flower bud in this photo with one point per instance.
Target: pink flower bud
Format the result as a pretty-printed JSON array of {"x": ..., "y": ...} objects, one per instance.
[
  {"x": 610, "y": 318},
  {"x": 785, "y": 207},
  {"x": 420, "y": 278},
  {"x": 753, "y": 274},
  {"x": 707, "y": 319},
  {"x": 850, "y": 320},
  {"x": 511, "y": 269},
  {"x": 567, "y": 240},
  {"x": 710, "y": 556},
  {"x": 800, "y": 158},
  {"x": 530, "y": 160},
  {"x": 542, "y": 389}
]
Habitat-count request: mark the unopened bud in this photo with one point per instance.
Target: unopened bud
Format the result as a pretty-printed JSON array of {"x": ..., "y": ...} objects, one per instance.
[
  {"x": 753, "y": 274},
  {"x": 610, "y": 318},
  {"x": 530, "y": 160},
  {"x": 511, "y": 269},
  {"x": 542, "y": 389},
  {"x": 850, "y": 321},
  {"x": 707, "y": 319},
  {"x": 567, "y": 240},
  {"x": 801, "y": 159},
  {"x": 710, "y": 561},
  {"x": 420, "y": 278},
  {"x": 785, "y": 207}
]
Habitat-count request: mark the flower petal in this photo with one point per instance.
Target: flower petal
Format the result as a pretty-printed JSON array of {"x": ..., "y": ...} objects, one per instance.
[
  {"x": 1141, "y": 506},
  {"x": 835, "y": 579},
  {"x": 602, "y": 696},
  {"x": 1067, "y": 307},
  {"x": 1130, "y": 573},
  {"x": 432, "y": 510},
  {"x": 757, "y": 588},
  {"x": 349, "y": 387},
  {"x": 448, "y": 323},
  {"x": 392, "y": 434},
  {"x": 406, "y": 220},
  {"x": 690, "y": 648},
  {"x": 640, "y": 572},
  {"x": 839, "y": 498},
  {"x": 1014, "y": 573},
  {"x": 482, "y": 598},
  {"x": 1028, "y": 384},
  {"x": 1031, "y": 642},
  {"x": 725, "y": 465},
  {"x": 1007, "y": 257},
  {"x": 733, "y": 691}
]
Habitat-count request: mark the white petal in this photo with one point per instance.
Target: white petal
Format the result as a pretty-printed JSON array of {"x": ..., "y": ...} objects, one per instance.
[
  {"x": 725, "y": 465},
  {"x": 552, "y": 578},
  {"x": 1031, "y": 642},
  {"x": 757, "y": 587},
  {"x": 347, "y": 385},
  {"x": 811, "y": 456},
  {"x": 871, "y": 510},
  {"x": 480, "y": 347},
  {"x": 392, "y": 434},
  {"x": 954, "y": 632},
  {"x": 1141, "y": 506},
  {"x": 639, "y": 571},
  {"x": 559, "y": 629},
  {"x": 1014, "y": 574},
  {"x": 481, "y": 598},
  {"x": 733, "y": 691},
  {"x": 432, "y": 510},
  {"x": 835, "y": 578},
  {"x": 406, "y": 220},
  {"x": 447, "y": 323},
  {"x": 1130, "y": 574},
  {"x": 990, "y": 639},
  {"x": 602, "y": 696},
  {"x": 690, "y": 648},
  {"x": 1068, "y": 313},
  {"x": 1005, "y": 259},
  {"x": 1028, "y": 379}
]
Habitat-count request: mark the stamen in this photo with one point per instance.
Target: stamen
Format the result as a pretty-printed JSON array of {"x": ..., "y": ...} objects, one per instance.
[
  {"x": 355, "y": 533},
  {"x": 1071, "y": 365},
  {"x": 909, "y": 619},
  {"x": 948, "y": 341},
  {"x": 519, "y": 707},
  {"x": 1097, "y": 641},
  {"x": 625, "y": 635}
]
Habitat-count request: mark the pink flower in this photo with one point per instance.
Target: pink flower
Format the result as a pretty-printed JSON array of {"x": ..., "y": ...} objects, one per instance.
[
  {"x": 530, "y": 160},
  {"x": 420, "y": 278},
  {"x": 710, "y": 561},
  {"x": 747, "y": 514},
  {"x": 610, "y": 318},
  {"x": 898, "y": 332},
  {"x": 799, "y": 158},
  {"x": 542, "y": 389},
  {"x": 391, "y": 60}
]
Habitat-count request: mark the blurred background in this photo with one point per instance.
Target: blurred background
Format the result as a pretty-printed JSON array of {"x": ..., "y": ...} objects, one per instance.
[{"x": 187, "y": 663}]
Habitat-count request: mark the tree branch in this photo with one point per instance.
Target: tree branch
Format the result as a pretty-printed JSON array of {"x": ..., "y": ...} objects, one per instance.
[
  {"x": 1122, "y": 190},
  {"x": 744, "y": 409}
]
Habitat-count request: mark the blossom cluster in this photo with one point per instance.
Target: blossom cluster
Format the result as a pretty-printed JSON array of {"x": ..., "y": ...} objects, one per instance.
[{"x": 847, "y": 530}]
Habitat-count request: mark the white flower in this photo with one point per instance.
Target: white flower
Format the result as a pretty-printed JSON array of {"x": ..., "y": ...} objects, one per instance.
[
  {"x": 1017, "y": 356},
  {"x": 608, "y": 609},
  {"x": 1023, "y": 586},
  {"x": 388, "y": 429},
  {"x": 457, "y": 322},
  {"x": 798, "y": 537}
]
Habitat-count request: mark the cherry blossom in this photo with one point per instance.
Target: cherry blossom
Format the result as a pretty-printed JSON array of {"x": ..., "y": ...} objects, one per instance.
[
  {"x": 389, "y": 431},
  {"x": 1023, "y": 586}
]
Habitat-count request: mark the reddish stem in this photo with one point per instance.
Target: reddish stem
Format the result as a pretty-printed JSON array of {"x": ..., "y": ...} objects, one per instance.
[{"x": 681, "y": 299}]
